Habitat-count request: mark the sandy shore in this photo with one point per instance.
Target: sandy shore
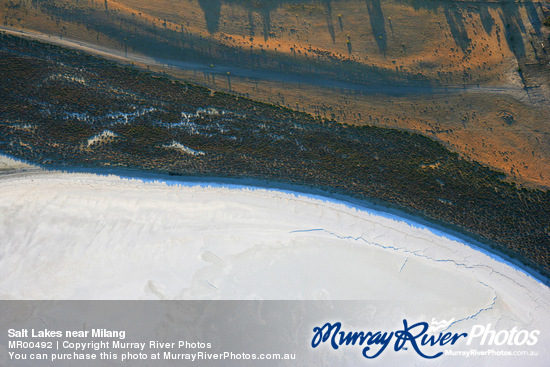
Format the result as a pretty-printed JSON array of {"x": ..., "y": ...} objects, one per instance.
[{"x": 9, "y": 165}]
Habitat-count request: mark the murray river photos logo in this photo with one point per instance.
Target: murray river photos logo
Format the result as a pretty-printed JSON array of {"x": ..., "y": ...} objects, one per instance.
[{"x": 420, "y": 337}]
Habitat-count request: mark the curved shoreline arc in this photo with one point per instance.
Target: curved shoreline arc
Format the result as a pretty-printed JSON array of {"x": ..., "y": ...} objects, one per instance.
[{"x": 370, "y": 205}]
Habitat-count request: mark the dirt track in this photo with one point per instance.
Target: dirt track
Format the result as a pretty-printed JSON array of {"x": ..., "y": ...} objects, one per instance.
[{"x": 261, "y": 75}]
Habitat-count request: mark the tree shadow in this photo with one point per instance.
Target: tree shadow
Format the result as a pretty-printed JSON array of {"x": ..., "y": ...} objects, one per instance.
[
  {"x": 509, "y": 14},
  {"x": 513, "y": 29},
  {"x": 330, "y": 23},
  {"x": 533, "y": 16},
  {"x": 455, "y": 20},
  {"x": 212, "y": 11},
  {"x": 266, "y": 20},
  {"x": 486, "y": 19},
  {"x": 424, "y": 4},
  {"x": 378, "y": 27},
  {"x": 251, "y": 23}
]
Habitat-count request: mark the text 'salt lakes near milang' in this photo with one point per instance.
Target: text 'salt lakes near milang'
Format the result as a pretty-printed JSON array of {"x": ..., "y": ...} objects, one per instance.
[{"x": 45, "y": 333}]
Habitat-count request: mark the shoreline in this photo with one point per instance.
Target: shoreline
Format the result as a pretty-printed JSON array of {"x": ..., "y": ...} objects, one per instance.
[{"x": 328, "y": 195}]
